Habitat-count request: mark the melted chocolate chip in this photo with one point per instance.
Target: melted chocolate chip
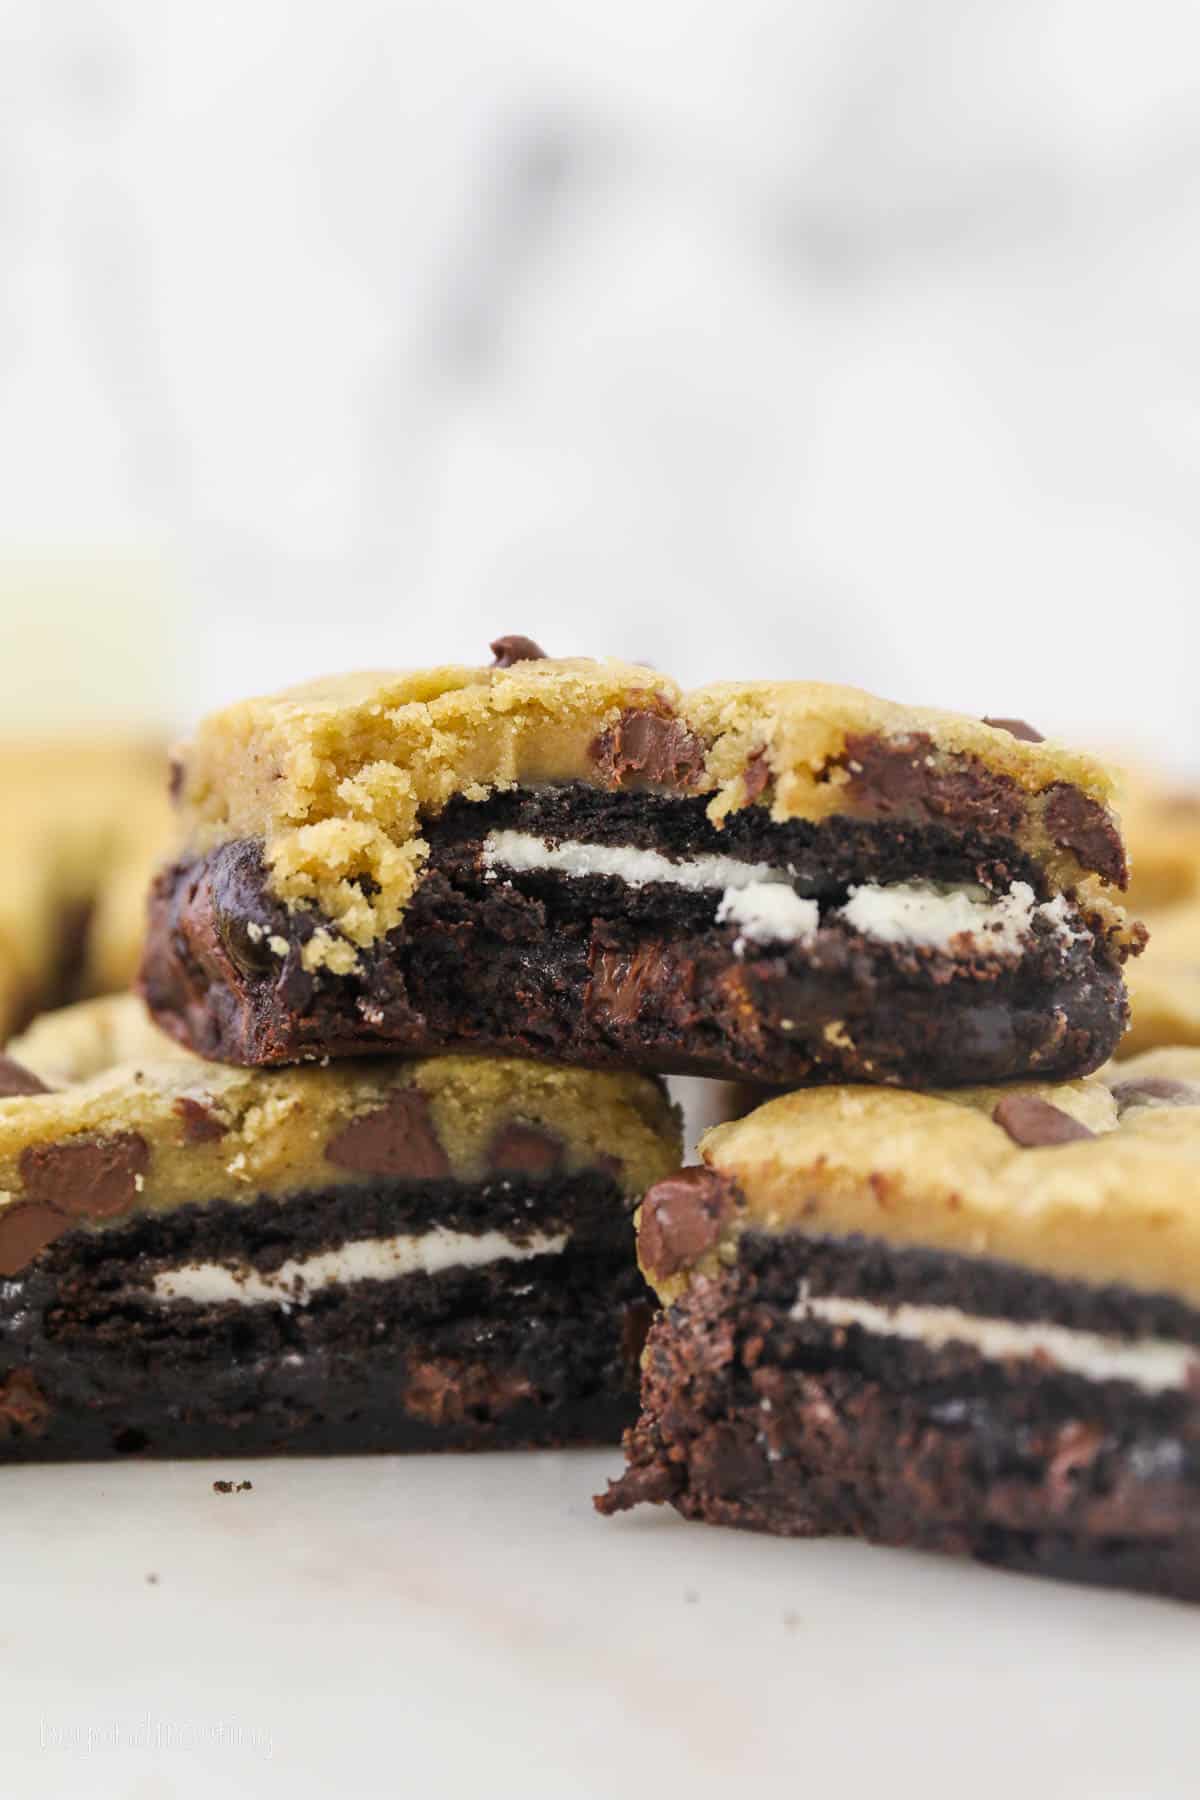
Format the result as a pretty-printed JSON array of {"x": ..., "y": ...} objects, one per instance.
[
  {"x": 682, "y": 1218},
  {"x": 902, "y": 775},
  {"x": 756, "y": 776},
  {"x": 16, "y": 1079},
  {"x": 619, "y": 982},
  {"x": 89, "y": 1178},
  {"x": 200, "y": 1124},
  {"x": 515, "y": 649},
  {"x": 245, "y": 942},
  {"x": 1078, "y": 823},
  {"x": 175, "y": 780},
  {"x": 649, "y": 746},
  {"x": 24, "y": 1230},
  {"x": 1016, "y": 728},
  {"x": 526, "y": 1150},
  {"x": 397, "y": 1139},
  {"x": 23, "y": 1406},
  {"x": 1033, "y": 1123},
  {"x": 1156, "y": 1090}
]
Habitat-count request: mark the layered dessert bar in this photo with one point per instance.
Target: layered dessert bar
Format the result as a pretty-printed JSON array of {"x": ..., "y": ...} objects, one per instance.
[
  {"x": 966, "y": 1321},
  {"x": 386, "y": 1256},
  {"x": 777, "y": 881}
]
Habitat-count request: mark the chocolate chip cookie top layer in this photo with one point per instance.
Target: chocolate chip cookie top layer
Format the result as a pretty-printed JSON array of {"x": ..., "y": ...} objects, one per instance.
[
  {"x": 336, "y": 778},
  {"x": 1096, "y": 1179},
  {"x": 127, "y": 1122}
]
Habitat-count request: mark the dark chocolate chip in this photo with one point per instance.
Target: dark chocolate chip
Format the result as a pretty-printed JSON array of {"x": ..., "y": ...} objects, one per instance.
[
  {"x": 1078, "y": 823},
  {"x": 396, "y": 1139},
  {"x": 175, "y": 779},
  {"x": 25, "y": 1229},
  {"x": 1016, "y": 728},
  {"x": 23, "y": 1406},
  {"x": 87, "y": 1177},
  {"x": 1033, "y": 1123},
  {"x": 756, "y": 776},
  {"x": 649, "y": 746},
  {"x": 682, "y": 1218},
  {"x": 636, "y": 1320},
  {"x": 525, "y": 1150},
  {"x": 200, "y": 1124},
  {"x": 1156, "y": 1088},
  {"x": 515, "y": 649},
  {"x": 16, "y": 1079}
]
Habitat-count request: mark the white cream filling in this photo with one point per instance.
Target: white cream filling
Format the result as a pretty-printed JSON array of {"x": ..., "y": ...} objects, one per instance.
[
  {"x": 1153, "y": 1364},
  {"x": 523, "y": 853},
  {"x": 769, "y": 914},
  {"x": 363, "y": 1259},
  {"x": 760, "y": 901}
]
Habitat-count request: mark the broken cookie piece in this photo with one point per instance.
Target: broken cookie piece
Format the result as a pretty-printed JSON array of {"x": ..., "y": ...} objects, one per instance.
[
  {"x": 965, "y": 1321},
  {"x": 200, "y": 1260},
  {"x": 780, "y": 882}
]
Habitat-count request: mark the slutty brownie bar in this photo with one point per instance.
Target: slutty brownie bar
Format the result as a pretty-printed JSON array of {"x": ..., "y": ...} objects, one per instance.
[
  {"x": 966, "y": 1322},
  {"x": 400, "y": 1255},
  {"x": 780, "y": 881}
]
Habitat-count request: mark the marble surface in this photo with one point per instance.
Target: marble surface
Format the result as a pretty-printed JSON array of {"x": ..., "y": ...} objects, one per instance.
[{"x": 446, "y": 1626}]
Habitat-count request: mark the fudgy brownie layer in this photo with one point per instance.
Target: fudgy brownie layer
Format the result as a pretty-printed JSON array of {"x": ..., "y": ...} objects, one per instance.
[
  {"x": 538, "y": 1351},
  {"x": 754, "y": 1419},
  {"x": 594, "y": 971}
]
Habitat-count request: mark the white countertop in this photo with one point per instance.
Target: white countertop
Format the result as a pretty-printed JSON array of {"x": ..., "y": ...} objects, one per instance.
[{"x": 468, "y": 1625}]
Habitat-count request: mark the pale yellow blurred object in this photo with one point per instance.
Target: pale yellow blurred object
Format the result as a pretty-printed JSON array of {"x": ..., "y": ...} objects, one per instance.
[
  {"x": 1161, "y": 821},
  {"x": 86, "y": 820}
]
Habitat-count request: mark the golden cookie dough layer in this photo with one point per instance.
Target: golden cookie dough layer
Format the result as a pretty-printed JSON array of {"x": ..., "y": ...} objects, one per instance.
[
  {"x": 85, "y": 822},
  {"x": 936, "y": 1170},
  {"x": 122, "y": 1077},
  {"x": 335, "y": 777}
]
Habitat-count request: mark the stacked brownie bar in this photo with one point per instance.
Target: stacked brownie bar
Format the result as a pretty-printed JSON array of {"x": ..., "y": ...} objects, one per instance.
[
  {"x": 405, "y": 1254},
  {"x": 438, "y": 936},
  {"x": 782, "y": 882},
  {"x": 966, "y": 1321}
]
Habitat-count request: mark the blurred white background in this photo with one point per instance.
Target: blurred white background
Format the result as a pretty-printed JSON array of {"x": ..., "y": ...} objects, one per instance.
[{"x": 840, "y": 338}]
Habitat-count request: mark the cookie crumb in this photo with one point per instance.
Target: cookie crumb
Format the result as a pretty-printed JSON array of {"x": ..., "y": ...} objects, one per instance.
[{"x": 233, "y": 1487}]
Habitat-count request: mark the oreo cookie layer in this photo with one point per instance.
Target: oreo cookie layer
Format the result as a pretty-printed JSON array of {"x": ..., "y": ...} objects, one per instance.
[
  {"x": 767, "y": 1403},
  {"x": 277, "y": 1326},
  {"x": 787, "y": 979}
]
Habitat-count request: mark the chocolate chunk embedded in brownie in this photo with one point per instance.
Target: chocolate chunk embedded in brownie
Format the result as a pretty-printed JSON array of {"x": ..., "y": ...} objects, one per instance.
[
  {"x": 783, "y": 882},
  {"x": 966, "y": 1322}
]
